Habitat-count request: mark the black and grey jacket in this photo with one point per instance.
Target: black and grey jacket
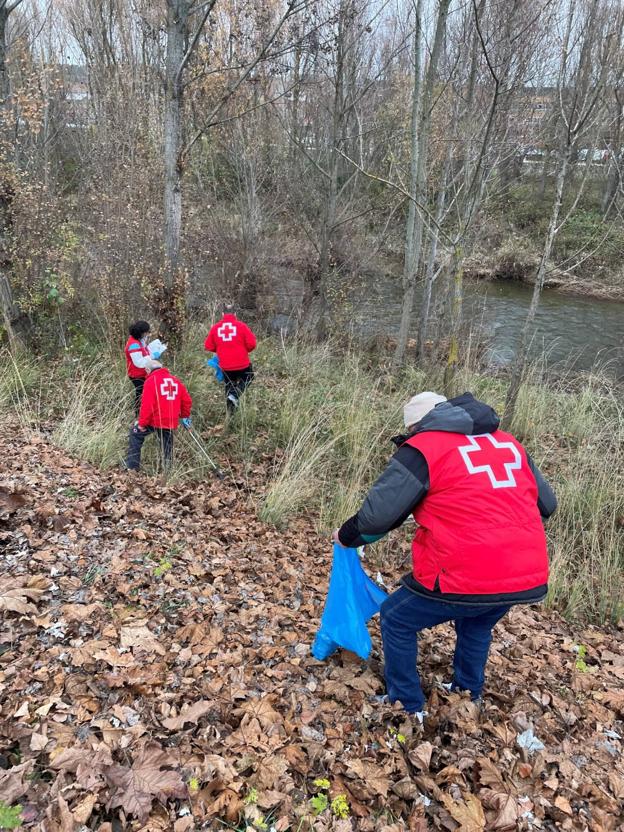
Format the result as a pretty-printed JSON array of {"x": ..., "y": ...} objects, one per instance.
[{"x": 405, "y": 482}]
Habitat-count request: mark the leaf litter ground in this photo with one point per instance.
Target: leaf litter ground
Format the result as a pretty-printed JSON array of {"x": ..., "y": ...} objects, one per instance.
[{"x": 155, "y": 674}]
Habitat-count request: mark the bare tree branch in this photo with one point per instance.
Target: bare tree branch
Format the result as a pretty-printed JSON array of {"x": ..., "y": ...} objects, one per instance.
[
  {"x": 191, "y": 47},
  {"x": 292, "y": 9},
  {"x": 423, "y": 210}
]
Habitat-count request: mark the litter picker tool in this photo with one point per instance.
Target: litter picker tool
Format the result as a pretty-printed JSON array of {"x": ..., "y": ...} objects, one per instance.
[{"x": 200, "y": 445}]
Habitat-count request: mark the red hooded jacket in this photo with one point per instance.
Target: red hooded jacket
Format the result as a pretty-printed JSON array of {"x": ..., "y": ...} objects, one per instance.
[
  {"x": 232, "y": 340},
  {"x": 132, "y": 344},
  {"x": 480, "y": 530},
  {"x": 165, "y": 401}
]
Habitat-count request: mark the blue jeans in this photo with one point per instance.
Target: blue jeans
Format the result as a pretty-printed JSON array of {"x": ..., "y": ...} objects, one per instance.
[{"x": 404, "y": 614}]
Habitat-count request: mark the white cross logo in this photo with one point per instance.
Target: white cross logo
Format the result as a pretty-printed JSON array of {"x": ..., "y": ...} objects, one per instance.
[
  {"x": 507, "y": 479},
  {"x": 227, "y": 331},
  {"x": 169, "y": 389}
]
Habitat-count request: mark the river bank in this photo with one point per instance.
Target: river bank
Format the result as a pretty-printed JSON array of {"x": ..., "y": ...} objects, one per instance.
[
  {"x": 499, "y": 267},
  {"x": 571, "y": 333}
]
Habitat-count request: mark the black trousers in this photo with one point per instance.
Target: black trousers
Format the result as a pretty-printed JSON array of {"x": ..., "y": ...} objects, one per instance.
[
  {"x": 137, "y": 383},
  {"x": 236, "y": 382},
  {"x": 135, "y": 444}
]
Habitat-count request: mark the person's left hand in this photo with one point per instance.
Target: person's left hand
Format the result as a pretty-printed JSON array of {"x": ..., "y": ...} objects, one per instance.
[
  {"x": 187, "y": 422},
  {"x": 336, "y": 539}
]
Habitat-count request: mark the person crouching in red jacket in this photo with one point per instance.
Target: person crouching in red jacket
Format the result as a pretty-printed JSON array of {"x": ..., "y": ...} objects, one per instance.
[
  {"x": 479, "y": 548},
  {"x": 165, "y": 401},
  {"x": 232, "y": 340}
]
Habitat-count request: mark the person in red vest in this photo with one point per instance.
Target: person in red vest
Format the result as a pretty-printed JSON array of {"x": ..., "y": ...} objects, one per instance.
[
  {"x": 479, "y": 548},
  {"x": 138, "y": 359},
  {"x": 165, "y": 402},
  {"x": 232, "y": 340}
]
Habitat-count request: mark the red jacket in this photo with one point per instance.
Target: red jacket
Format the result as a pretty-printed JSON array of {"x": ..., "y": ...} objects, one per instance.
[
  {"x": 480, "y": 530},
  {"x": 165, "y": 401},
  {"x": 133, "y": 345},
  {"x": 232, "y": 340}
]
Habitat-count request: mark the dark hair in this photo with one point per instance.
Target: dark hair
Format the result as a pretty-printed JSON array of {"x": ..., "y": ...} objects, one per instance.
[
  {"x": 229, "y": 308},
  {"x": 138, "y": 329}
]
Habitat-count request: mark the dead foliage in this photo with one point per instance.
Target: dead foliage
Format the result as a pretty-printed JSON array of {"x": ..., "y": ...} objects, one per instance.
[{"x": 155, "y": 674}]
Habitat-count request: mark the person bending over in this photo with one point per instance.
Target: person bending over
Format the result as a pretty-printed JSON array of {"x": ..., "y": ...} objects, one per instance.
[
  {"x": 479, "y": 548},
  {"x": 165, "y": 402}
]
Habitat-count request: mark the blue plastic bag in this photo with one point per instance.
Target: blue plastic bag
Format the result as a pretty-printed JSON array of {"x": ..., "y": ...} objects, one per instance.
[
  {"x": 352, "y": 598},
  {"x": 214, "y": 362}
]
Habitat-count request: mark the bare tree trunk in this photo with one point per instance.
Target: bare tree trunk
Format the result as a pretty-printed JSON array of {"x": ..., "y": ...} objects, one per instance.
[
  {"x": 413, "y": 228},
  {"x": 456, "y": 271},
  {"x": 614, "y": 174},
  {"x": 434, "y": 237},
  {"x": 296, "y": 96},
  {"x": 421, "y": 127},
  {"x": 523, "y": 348},
  {"x": 10, "y": 313},
  {"x": 4, "y": 75},
  {"x": 320, "y": 307},
  {"x": 425, "y": 309},
  {"x": 177, "y": 23}
]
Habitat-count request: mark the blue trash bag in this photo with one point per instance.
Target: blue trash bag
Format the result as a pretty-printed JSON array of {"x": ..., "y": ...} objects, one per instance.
[
  {"x": 352, "y": 598},
  {"x": 214, "y": 363}
]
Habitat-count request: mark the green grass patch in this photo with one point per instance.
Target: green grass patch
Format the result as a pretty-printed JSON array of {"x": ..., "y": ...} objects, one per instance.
[{"x": 313, "y": 432}]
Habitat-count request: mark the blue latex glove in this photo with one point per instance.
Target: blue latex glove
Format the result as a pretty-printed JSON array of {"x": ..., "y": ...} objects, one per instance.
[
  {"x": 156, "y": 355},
  {"x": 187, "y": 422},
  {"x": 352, "y": 598}
]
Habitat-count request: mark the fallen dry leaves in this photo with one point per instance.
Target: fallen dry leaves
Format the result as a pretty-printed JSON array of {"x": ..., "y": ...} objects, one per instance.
[{"x": 155, "y": 674}]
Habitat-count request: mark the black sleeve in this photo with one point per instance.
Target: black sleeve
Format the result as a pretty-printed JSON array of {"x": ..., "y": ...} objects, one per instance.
[
  {"x": 391, "y": 499},
  {"x": 546, "y": 500}
]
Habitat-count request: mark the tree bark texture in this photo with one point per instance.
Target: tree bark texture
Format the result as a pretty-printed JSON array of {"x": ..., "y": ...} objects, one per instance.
[
  {"x": 11, "y": 315},
  {"x": 177, "y": 31},
  {"x": 413, "y": 228},
  {"x": 421, "y": 128}
]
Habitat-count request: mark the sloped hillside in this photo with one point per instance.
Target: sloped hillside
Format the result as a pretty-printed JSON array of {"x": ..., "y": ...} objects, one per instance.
[{"x": 155, "y": 674}]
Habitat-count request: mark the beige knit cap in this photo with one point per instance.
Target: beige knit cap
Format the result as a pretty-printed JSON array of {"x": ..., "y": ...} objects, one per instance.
[{"x": 418, "y": 406}]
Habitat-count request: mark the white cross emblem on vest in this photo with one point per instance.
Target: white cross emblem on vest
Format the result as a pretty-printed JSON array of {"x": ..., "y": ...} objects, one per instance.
[
  {"x": 227, "y": 331},
  {"x": 169, "y": 389},
  {"x": 505, "y": 469}
]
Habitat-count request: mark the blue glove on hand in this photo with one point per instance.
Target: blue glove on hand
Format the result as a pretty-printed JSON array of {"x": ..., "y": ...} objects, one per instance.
[
  {"x": 156, "y": 355},
  {"x": 187, "y": 422}
]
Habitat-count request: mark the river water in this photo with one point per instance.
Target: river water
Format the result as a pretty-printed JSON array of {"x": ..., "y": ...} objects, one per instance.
[{"x": 572, "y": 331}]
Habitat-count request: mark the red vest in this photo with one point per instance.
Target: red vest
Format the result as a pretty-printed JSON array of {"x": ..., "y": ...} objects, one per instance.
[
  {"x": 480, "y": 531},
  {"x": 232, "y": 340},
  {"x": 135, "y": 372}
]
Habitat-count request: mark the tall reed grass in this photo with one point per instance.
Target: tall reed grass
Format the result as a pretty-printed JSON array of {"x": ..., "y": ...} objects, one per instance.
[{"x": 314, "y": 430}]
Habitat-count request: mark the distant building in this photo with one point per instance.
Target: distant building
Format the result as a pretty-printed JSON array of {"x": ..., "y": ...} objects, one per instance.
[
  {"x": 531, "y": 112},
  {"x": 75, "y": 95}
]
